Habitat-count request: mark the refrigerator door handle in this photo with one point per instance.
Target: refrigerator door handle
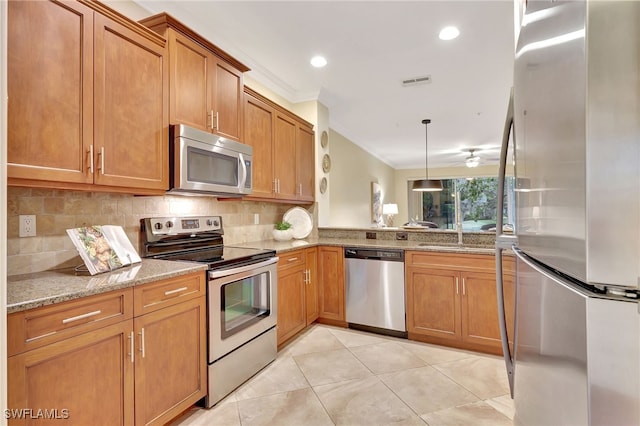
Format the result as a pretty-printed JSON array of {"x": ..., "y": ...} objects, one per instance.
[{"x": 504, "y": 242}]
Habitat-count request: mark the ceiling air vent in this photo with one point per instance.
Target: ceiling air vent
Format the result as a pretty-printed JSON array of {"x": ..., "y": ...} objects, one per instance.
[{"x": 416, "y": 81}]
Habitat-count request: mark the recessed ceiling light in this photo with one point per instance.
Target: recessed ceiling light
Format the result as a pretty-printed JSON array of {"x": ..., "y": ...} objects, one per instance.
[
  {"x": 449, "y": 33},
  {"x": 318, "y": 61}
]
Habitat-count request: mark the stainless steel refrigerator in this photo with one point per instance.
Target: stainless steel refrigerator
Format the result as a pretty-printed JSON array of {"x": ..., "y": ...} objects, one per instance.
[{"x": 574, "y": 358}]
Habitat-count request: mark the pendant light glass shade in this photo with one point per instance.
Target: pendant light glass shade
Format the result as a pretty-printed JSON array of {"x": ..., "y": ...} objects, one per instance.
[{"x": 426, "y": 184}]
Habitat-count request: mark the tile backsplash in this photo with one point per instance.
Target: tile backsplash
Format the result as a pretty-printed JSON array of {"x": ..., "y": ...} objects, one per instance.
[{"x": 58, "y": 210}]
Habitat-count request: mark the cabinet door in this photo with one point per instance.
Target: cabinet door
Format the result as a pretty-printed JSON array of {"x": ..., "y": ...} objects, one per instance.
[
  {"x": 191, "y": 88},
  {"x": 50, "y": 88},
  {"x": 480, "y": 308},
  {"x": 285, "y": 157},
  {"x": 90, "y": 376},
  {"x": 331, "y": 279},
  {"x": 305, "y": 164},
  {"x": 228, "y": 100},
  {"x": 171, "y": 364},
  {"x": 131, "y": 108},
  {"x": 258, "y": 132},
  {"x": 291, "y": 302},
  {"x": 433, "y": 302},
  {"x": 311, "y": 287}
]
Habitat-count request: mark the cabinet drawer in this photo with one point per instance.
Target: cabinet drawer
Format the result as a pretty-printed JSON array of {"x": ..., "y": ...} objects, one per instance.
[
  {"x": 154, "y": 296},
  {"x": 38, "y": 327},
  {"x": 291, "y": 259},
  {"x": 457, "y": 261}
]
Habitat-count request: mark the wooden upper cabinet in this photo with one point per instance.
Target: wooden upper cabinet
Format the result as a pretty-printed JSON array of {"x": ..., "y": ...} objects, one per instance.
[
  {"x": 305, "y": 159},
  {"x": 88, "y": 104},
  {"x": 205, "y": 82},
  {"x": 227, "y": 101},
  {"x": 285, "y": 157},
  {"x": 191, "y": 89},
  {"x": 131, "y": 109},
  {"x": 260, "y": 136},
  {"x": 283, "y": 151},
  {"x": 50, "y": 88}
]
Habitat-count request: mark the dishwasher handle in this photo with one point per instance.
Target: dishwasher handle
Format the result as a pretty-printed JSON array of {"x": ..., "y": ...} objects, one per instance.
[{"x": 386, "y": 255}]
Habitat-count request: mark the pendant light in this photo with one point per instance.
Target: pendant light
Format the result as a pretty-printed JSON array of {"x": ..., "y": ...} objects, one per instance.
[{"x": 426, "y": 184}]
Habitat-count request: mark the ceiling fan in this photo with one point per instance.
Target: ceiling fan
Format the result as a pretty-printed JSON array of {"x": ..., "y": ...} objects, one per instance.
[{"x": 472, "y": 160}]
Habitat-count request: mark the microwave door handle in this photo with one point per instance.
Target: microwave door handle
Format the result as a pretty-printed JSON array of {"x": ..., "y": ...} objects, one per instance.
[{"x": 243, "y": 178}]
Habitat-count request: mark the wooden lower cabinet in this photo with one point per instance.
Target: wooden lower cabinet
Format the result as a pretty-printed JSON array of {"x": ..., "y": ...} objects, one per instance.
[
  {"x": 87, "y": 378},
  {"x": 297, "y": 292},
  {"x": 451, "y": 300},
  {"x": 170, "y": 374},
  {"x": 331, "y": 291},
  {"x": 144, "y": 369}
]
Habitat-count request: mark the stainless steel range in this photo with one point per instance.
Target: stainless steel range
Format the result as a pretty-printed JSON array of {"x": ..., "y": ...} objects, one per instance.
[{"x": 241, "y": 295}]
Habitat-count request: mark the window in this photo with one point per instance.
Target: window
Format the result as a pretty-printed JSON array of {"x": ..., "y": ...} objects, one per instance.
[{"x": 478, "y": 203}]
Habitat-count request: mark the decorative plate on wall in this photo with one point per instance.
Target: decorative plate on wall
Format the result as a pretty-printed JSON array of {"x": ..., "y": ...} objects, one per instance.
[
  {"x": 324, "y": 139},
  {"x": 326, "y": 163},
  {"x": 323, "y": 185}
]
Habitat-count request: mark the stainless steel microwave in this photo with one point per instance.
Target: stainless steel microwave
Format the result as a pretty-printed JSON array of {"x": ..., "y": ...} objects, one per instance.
[{"x": 204, "y": 163}]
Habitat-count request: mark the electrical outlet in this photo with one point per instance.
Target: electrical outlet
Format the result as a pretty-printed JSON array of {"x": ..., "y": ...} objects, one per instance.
[
  {"x": 256, "y": 219},
  {"x": 402, "y": 236},
  {"x": 27, "y": 225}
]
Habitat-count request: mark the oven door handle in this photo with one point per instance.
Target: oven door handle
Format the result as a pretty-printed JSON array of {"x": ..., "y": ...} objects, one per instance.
[{"x": 227, "y": 272}]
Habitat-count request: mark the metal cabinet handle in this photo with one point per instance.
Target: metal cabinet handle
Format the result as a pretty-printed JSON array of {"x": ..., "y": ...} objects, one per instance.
[
  {"x": 90, "y": 152},
  {"x": 464, "y": 286},
  {"x": 217, "y": 120},
  {"x": 211, "y": 120},
  {"x": 101, "y": 154},
  {"x": 174, "y": 291},
  {"x": 457, "y": 287},
  {"x": 131, "y": 347},
  {"x": 83, "y": 316},
  {"x": 293, "y": 259},
  {"x": 142, "y": 341}
]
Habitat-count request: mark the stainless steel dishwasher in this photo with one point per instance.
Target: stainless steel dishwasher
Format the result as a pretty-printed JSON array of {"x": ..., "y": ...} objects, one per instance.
[{"x": 375, "y": 290}]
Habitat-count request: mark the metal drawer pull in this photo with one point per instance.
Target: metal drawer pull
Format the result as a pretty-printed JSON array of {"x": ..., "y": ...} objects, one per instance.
[
  {"x": 293, "y": 259},
  {"x": 142, "y": 341},
  {"x": 131, "y": 347},
  {"x": 79, "y": 317},
  {"x": 177, "y": 290}
]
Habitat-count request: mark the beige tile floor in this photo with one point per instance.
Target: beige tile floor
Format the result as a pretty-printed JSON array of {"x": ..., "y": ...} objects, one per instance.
[{"x": 335, "y": 376}]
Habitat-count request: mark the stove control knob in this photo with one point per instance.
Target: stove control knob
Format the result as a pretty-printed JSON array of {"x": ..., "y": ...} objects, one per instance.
[
  {"x": 209, "y": 222},
  {"x": 169, "y": 224},
  {"x": 158, "y": 226},
  {"x": 216, "y": 223}
]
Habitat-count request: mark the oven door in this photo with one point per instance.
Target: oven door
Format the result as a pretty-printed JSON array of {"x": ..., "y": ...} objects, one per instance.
[{"x": 242, "y": 305}]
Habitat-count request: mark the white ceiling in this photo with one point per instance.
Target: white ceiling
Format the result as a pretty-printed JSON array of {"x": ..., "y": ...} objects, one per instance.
[{"x": 371, "y": 47}]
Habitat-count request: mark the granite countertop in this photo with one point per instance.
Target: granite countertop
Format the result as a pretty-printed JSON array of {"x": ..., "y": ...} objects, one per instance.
[
  {"x": 284, "y": 246},
  {"x": 29, "y": 291}
]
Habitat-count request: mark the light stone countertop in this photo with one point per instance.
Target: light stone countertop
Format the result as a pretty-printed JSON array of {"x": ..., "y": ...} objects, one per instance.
[
  {"x": 29, "y": 291},
  {"x": 284, "y": 246}
]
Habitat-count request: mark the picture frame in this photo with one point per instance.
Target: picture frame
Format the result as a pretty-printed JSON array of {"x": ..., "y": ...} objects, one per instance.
[{"x": 376, "y": 203}]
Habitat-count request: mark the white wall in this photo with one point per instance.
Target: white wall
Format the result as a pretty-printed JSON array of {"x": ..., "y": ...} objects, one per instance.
[
  {"x": 352, "y": 171},
  {"x": 3, "y": 208}
]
